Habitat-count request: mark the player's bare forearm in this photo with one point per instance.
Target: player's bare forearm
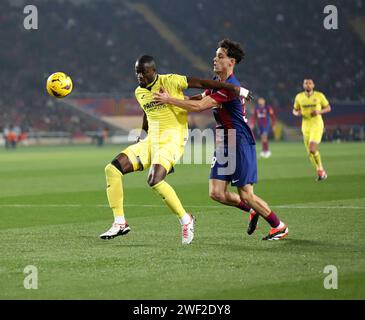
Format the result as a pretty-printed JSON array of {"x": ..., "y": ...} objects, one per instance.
[
  {"x": 273, "y": 120},
  {"x": 189, "y": 105},
  {"x": 297, "y": 113},
  {"x": 322, "y": 111},
  {"x": 145, "y": 123},
  {"x": 212, "y": 84},
  {"x": 193, "y": 105},
  {"x": 326, "y": 109},
  {"x": 196, "y": 97}
]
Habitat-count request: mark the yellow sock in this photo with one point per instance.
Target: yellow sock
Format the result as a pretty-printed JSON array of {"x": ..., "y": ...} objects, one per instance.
[
  {"x": 312, "y": 160},
  {"x": 170, "y": 197},
  {"x": 114, "y": 189},
  {"x": 317, "y": 160}
]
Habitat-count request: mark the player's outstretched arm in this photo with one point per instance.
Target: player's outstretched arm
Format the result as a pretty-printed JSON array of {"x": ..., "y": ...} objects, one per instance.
[
  {"x": 195, "y": 97},
  {"x": 213, "y": 84},
  {"x": 189, "y": 105}
]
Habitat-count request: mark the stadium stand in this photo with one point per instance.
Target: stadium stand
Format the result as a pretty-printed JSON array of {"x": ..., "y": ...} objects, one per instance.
[{"x": 97, "y": 42}]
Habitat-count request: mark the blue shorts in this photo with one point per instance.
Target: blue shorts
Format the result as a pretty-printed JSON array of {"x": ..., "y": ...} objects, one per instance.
[
  {"x": 238, "y": 166},
  {"x": 262, "y": 130}
]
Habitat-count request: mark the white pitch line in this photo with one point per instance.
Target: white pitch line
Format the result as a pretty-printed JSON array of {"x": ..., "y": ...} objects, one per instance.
[{"x": 14, "y": 205}]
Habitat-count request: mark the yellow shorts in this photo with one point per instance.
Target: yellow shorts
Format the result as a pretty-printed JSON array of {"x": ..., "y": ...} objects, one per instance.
[
  {"x": 144, "y": 154},
  {"x": 312, "y": 135}
]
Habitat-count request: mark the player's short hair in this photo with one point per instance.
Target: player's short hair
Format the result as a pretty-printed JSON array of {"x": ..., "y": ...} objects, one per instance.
[
  {"x": 146, "y": 59},
  {"x": 234, "y": 49},
  {"x": 308, "y": 78}
]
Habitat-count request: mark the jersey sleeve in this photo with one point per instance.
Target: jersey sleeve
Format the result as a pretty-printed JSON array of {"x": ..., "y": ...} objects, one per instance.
[
  {"x": 324, "y": 101},
  {"x": 178, "y": 81},
  {"x": 296, "y": 103},
  {"x": 137, "y": 95},
  {"x": 222, "y": 96}
]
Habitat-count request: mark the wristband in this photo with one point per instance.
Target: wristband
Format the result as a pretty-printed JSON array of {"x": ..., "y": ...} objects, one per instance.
[{"x": 244, "y": 92}]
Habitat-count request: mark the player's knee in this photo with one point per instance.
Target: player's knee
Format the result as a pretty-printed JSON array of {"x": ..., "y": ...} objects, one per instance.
[
  {"x": 217, "y": 195},
  {"x": 247, "y": 197},
  {"x": 153, "y": 180},
  {"x": 312, "y": 148}
]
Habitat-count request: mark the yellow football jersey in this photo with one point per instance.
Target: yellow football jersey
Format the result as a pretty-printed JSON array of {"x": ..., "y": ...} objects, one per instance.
[
  {"x": 166, "y": 123},
  {"x": 316, "y": 101}
]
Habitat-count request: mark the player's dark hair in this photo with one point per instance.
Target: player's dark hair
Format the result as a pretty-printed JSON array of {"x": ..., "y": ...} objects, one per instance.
[
  {"x": 146, "y": 59},
  {"x": 234, "y": 49}
]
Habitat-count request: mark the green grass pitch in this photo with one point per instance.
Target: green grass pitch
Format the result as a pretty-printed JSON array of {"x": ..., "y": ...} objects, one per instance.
[{"x": 53, "y": 207}]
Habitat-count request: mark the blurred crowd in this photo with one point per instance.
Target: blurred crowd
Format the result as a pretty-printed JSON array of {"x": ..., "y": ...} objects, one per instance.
[
  {"x": 97, "y": 42},
  {"x": 284, "y": 41},
  {"x": 344, "y": 133}
]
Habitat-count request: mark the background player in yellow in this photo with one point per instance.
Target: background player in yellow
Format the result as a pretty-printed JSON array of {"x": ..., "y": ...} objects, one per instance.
[
  {"x": 166, "y": 137},
  {"x": 310, "y": 105}
]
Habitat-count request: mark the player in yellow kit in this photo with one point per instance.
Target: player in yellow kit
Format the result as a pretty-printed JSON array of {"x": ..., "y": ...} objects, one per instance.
[
  {"x": 166, "y": 137},
  {"x": 310, "y": 105}
]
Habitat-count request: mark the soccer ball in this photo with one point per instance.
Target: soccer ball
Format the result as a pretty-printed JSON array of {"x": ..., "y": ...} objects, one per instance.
[{"x": 59, "y": 85}]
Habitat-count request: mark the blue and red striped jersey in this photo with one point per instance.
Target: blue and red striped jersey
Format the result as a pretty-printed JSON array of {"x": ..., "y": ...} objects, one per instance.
[
  {"x": 264, "y": 116},
  {"x": 230, "y": 113}
]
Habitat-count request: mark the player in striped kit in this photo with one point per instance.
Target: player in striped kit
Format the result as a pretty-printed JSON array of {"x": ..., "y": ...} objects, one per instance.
[
  {"x": 264, "y": 119},
  {"x": 234, "y": 161}
]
